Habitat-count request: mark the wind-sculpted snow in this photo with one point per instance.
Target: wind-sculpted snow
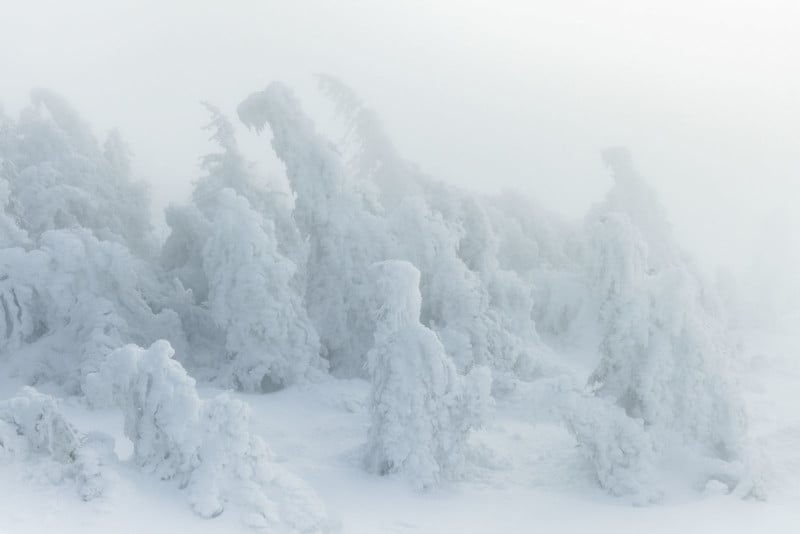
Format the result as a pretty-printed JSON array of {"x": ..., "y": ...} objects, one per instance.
[
  {"x": 204, "y": 445},
  {"x": 421, "y": 409},
  {"x": 263, "y": 285},
  {"x": 10, "y": 233},
  {"x": 481, "y": 309},
  {"x": 620, "y": 284}
]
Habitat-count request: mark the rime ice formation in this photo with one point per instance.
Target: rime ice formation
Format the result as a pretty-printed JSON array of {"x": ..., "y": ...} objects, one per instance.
[
  {"x": 32, "y": 427},
  {"x": 206, "y": 445},
  {"x": 421, "y": 409},
  {"x": 358, "y": 267},
  {"x": 237, "y": 250}
]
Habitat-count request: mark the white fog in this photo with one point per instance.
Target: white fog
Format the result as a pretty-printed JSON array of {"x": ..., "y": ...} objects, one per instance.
[{"x": 368, "y": 266}]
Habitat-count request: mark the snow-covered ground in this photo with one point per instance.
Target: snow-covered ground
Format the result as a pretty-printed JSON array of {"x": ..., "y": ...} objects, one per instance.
[
  {"x": 524, "y": 475},
  {"x": 356, "y": 347}
]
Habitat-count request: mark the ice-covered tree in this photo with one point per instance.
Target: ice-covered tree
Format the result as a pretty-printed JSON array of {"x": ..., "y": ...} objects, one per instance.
[
  {"x": 345, "y": 236},
  {"x": 481, "y": 311},
  {"x": 70, "y": 301},
  {"x": 269, "y": 339},
  {"x": 32, "y": 427},
  {"x": 75, "y": 242},
  {"x": 664, "y": 358},
  {"x": 206, "y": 445},
  {"x": 618, "y": 447},
  {"x": 238, "y": 251},
  {"x": 421, "y": 409},
  {"x": 63, "y": 178},
  {"x": 547, "y": 253}
]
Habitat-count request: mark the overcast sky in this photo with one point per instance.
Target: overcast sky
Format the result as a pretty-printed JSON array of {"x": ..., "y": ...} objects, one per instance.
[{"x": 484, "y": 94}]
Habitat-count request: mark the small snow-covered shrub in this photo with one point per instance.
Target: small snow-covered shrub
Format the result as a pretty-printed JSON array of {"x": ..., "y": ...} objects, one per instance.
[
  {"x": 259, "y": 282},
  {"x": 421, "y": 409},
  {"x": 619, "y": 449},
  {"x": 160, "y": 403},
  {"x": 206, "y": 445},
  {"x": 359, "y": 202},
  {"x": 75, "y": 243},
  {"x": 38, "y": 427},
  {"x": 10, "y": 232},
  {"x": 236, "y": 465},
  {"x": 70, "y": 301},
  {"x": 31, "y": 426}
]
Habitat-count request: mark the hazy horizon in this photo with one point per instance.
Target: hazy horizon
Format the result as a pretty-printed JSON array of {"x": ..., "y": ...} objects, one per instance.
[
  {"x": 513, "y": 96},
  {"x": 534, "y": 266}
]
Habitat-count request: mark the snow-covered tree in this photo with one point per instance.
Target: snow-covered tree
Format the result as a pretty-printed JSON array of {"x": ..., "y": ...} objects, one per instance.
[
  {"x": 454, "y": 303},
  {"x": 70, "y": 301},
  {"x": 32, "y": 426},
  {"x": 75, "y": 245},
  {"x": 663, "y": 355},
  {"x": 344, "y": 236},
  {"x": 269, "y": 338},
  {"x": 481, "y": 311},
  {"x": 422, "y": 410},
  {"x": 256, "y": 285},
  {"x": 206, "y": 445},
  {"x": 618, "y": 447},
  {"x": 10, "y": 232},
  {"x": 237, "y": 250},
  {"x": 63, "y": 178}
]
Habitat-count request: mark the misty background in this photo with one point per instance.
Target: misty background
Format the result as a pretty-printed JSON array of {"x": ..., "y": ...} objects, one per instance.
[{"x": 486, "y": 95}]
